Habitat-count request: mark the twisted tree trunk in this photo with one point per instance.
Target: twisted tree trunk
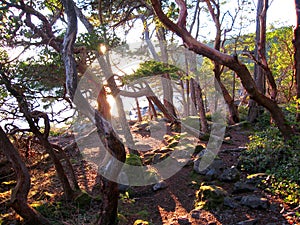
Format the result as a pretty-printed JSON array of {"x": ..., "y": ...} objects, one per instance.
[
  {"x": 30, "y": 117},
  {"x": 231, "y": 62},
  {"x": 19, "y": 194},
  {"x": 109, "y": 188}
]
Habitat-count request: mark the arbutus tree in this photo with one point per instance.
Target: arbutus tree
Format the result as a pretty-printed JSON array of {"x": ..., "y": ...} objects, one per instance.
[
  {"x": 32, "y": 118},
  {"x": 232, "y": 62},
  {"x": 296, "y": 42},
  {"x": 215, "y": 12},
  {"x": 262, "y": 72},
  {"x": 20, "y": 192},
  {"x": 109, "y": 189},
  {"x": 41, "y": 31}
]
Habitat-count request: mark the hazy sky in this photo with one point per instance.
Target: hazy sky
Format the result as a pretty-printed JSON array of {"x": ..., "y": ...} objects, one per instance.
[{"x": 282, "y": 10}]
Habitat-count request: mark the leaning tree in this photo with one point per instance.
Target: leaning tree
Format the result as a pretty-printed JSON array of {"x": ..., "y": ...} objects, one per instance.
[{"x": 230, "y": 61}]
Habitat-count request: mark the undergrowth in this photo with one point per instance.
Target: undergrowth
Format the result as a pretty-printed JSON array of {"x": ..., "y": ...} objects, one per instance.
[{"x": 267, "y": 152}]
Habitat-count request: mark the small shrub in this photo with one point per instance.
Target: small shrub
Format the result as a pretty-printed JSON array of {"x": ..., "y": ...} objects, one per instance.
[{"x": 268, "y": 153}]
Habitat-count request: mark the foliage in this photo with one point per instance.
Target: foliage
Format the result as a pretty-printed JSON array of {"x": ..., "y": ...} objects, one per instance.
[
  {"x": 153, "y": 68},
  {"x": 291, "y": 110},
  {"x": 268, "y": 152},
  {"x": 280, "y": 58},
  {"x": 60, "y": 211},
  {"x": 40, "y": 80},
  {"x": 101, "y": 35}
]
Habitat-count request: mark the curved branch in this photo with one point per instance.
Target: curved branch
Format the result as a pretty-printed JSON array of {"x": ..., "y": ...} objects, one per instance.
[
  {"x": 38, "y": 114},
  {"x": 231, "y": 62}
]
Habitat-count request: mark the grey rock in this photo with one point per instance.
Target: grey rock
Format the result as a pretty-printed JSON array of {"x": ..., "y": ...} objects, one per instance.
[
  {"x": 254, "y": 202},
  {"x": 123, "y": 188},
  {"x": 196, "y": 213},
  {"x": 274, "y": 207},
  {"x": 160, "y": 185},
  {"x": 241, "y": 187},
  {"x": 183, "y": 221},
  {"x": 231, "y": 203},
  {"x": 248, "y": 222},
  {"x": 159, "y": 157},
  {"x": 217, "y": 165},
  {"x": 211, "y": 174},
  {"x": 230, "y": 175}
]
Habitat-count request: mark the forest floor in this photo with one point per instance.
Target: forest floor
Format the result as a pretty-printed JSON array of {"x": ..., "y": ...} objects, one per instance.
[{"x": 173, "y": 204}]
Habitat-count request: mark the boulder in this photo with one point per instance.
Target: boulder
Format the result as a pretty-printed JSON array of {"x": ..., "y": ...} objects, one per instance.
[
  {"x": 241, "y": 187},
  {"x": 230, "y": 175},
  {"x": 231, "y": 203},
  {"x": 215, "y": 168},
  {"x": 196, "y": 213},
  {"x": 160, "y": 185},
  {"x": 256, "y": 178},
  {"x": 210, "y": 197},
  {"x": 255, "y": 202},
  {"x": 183, "y": 221}
]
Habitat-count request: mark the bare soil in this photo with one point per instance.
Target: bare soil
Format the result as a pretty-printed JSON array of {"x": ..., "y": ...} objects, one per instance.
[{"x": 172, "y": 205}]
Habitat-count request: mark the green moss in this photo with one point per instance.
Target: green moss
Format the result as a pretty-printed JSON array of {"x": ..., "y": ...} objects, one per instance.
[
  {"x": 209, "y": 197},
  {"x": 133, "y": 160},
  {"x": 141, "y": 222}
]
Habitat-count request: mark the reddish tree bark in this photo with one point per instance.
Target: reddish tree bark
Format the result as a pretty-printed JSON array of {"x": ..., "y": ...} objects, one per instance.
[
  {"x": 31, "y": 118},
  {"x": 233, "y": 111},
  {"x": 231, "y": 62},
  {"x": 20, "y": 192},
  {"x": 297, "y": 58}
]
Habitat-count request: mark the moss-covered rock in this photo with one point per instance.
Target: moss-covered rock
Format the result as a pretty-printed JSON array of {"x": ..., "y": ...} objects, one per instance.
[{"x": 210, "y": 197}]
